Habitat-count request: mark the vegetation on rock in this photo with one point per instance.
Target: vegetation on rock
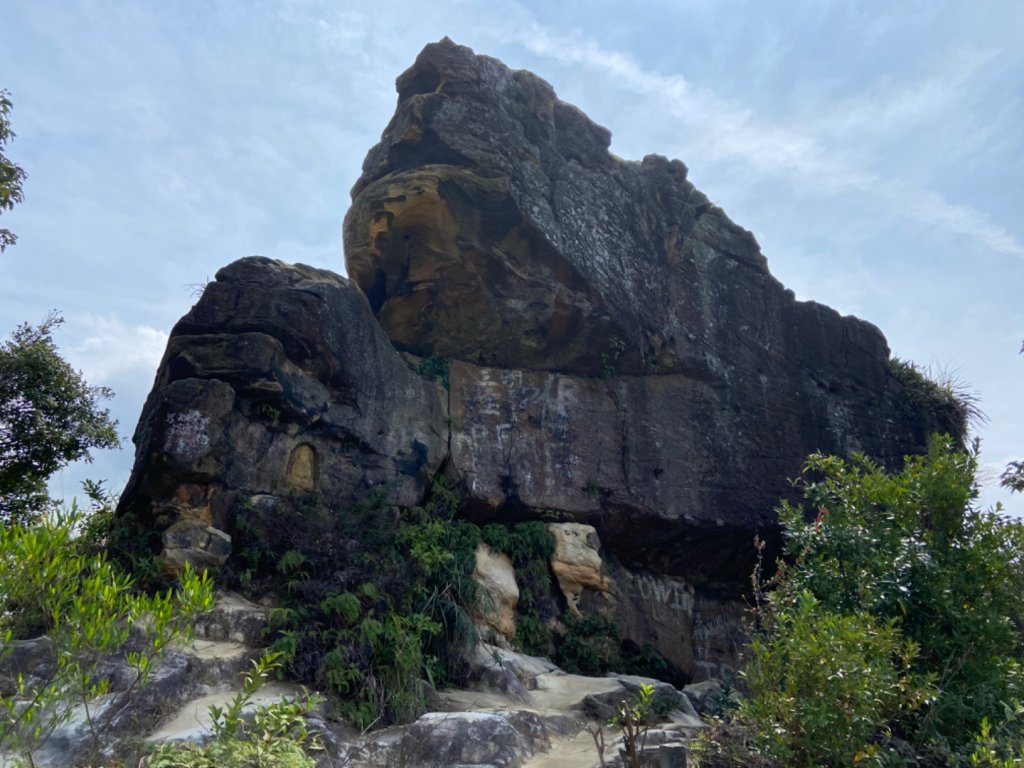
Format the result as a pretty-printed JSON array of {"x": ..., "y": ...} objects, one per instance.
[
  {"x": 275, "y": 736},
  {"x": 942, "y": 398},
  {"x": 60, "y": 591},
  {"x": 378, "y": 599},
  {"x": 374, "y": 602},
  {"x": 435, "y": 367}
]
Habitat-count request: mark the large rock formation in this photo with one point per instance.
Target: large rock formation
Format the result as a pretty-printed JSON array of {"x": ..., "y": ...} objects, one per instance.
[
  {"x": 618, "y": 355},
  {"x": 279, "y": 380}
]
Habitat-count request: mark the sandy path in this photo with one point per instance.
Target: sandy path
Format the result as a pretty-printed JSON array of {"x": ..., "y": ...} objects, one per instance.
[{"x": 574, "y": 752}]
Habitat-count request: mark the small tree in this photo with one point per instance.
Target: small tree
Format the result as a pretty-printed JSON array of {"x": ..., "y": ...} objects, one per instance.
[
  {"x": 49, "y": 417},
  {"x": 53, "y": 587},
  {"x": 11, "y": 175}
]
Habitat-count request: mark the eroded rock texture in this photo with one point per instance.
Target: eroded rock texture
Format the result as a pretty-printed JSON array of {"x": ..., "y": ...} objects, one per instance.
[
  {"x": 620, "y": 357},
  {"x": 278, "y": 381}
]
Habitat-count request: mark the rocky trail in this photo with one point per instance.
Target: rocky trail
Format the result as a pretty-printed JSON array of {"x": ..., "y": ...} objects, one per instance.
[{"x": 521, "y": 711}]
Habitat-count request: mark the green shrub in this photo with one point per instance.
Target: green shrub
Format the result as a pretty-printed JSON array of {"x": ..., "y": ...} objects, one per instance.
[
  {"x": 498, "y": 537},
  {"x": 880, "y": 563},
  {"x": 437, "y": 368},
  {"x": 828, "y": 684},
  {"x": 532, "y": 635},
  {"x": 54, "y": 583},
  {"x": 529, "y": 545},
  {"x": 273, "y": 737},
  {"x": 590, "y": 645},
  {"x": 378, "y": 599},
  {"x": 232, "y": 753},
  {"x": 634, "y": 720}
]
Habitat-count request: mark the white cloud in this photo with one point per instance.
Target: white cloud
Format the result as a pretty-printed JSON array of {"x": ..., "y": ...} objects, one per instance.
[
  {"x": 931, "y": 208},
  {"x": 892, "y": 105},
  {"x": 113, "y": 349},
  {"x": 726, "y": 131}
]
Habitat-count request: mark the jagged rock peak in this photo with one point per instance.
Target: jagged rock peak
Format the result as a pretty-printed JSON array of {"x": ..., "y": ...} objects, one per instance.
[
  {"x": 528, "y": 102},
  {"x": 492, "y": 225}
]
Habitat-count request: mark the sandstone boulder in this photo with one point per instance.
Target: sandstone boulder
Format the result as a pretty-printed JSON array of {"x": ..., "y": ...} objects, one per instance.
[
  {"x": 577, "y": 561},
  {"x": 616, "y": 355},
  {"x": 500, "y": 593},
  {"x": 278, "y": 382},
  {"x": 497, "y": 739}
]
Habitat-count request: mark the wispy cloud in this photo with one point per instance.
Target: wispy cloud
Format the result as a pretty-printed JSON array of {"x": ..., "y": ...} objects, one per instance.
[
  {"x": 892, "y": 105},
  {"x": 726, "y": 131}
]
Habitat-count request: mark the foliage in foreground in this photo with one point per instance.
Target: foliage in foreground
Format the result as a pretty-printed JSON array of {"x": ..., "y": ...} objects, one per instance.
[
  {"x": 274, "y": 736},
  {"x": 826, "y": 681},
  {"x": 55, "y": 586},
  {"x": 894, "y": 633}
]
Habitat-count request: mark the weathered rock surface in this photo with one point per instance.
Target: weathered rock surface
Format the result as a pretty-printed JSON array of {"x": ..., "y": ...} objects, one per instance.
[
  {"x": 538, "y": 722},
  {"x": 497, "y": 579},
  {"x": 622, "y": 351},
  {"x": 278, "y": 381},
  {"x": 620, "y": 357},
  {"x": 207, "y": 669},
  {"x": 577, "y": 561},
  {"x": 496, "y": 739}
]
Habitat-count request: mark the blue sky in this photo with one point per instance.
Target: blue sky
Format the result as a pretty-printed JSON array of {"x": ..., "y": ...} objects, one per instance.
[{"x": 875, "y": 149}]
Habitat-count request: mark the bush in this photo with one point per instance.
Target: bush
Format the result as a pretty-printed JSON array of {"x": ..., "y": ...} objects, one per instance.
[
  {"x": 232, "y": 753},
  {"x": 591, "y": 645},
  {"x": 899, "y": 607},
  {"x": 828, "y": 684},
  {"x": 378, "y": 599},
  {"x": 54, "y": 584}
]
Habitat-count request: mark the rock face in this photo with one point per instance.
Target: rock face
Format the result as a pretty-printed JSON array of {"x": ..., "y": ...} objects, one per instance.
[
  {"x": 621, "y": 351},
  {"x": 497, "y": 578},
  {"x": 278, "y": 381},
  {"x": 618, "y": 355},
  {"x": 577, "y": 563},
  {"x": 208, "y": 669}
]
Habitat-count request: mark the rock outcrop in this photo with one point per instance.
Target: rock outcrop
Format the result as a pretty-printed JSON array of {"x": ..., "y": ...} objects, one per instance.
[
  {"x": 497, "y": 579},
  {"x": 577, "y": 563},
  {"x": 620, "y": 350},
  {"x": 174, "y": 698},
  {"x": 613, "y": 352},
  {"x": 278, "y": 381}
]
